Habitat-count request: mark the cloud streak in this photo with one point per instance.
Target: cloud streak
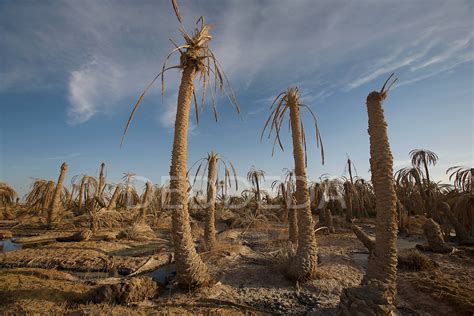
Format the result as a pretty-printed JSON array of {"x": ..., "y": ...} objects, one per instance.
[{"x": 106, "y": 52}]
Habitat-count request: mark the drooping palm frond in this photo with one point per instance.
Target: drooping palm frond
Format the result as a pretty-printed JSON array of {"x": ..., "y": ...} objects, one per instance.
[
  {"x": 228, "y": 175},
  {"x": 349, "y": 167},
  {"x": 423, "y": 158},
  {"x": 279, "y": 108},
  {"x": 462, "y": 177},
  {"x": 40, "y": 194},
  {"x": 7, "y": 194}
]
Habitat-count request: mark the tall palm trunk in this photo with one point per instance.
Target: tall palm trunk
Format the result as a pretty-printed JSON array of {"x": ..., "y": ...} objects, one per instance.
[
  {"x": 101, "y": 180},
  {"x": 98, "y": 192},
  {"x": 191, "y": 270},
  {"x": 305, "y": 261},
  {"x": 81, "y": 192},
  {"x": 54, "y": 208},
  {"x": 113, "y": 201},
  {"x": 47, "y": 198},
  {"x": 209, "y": 226},
  {"x": 292, "y": 218},
  {"x": 383, "y": 263},
  {"x": 145, "y": 202},
  {"x": 380, "y": 282},
  {"x": 425, "y": 164},
  {"x": 348, "y": 201},
  {"x": 259, "y": 197}
]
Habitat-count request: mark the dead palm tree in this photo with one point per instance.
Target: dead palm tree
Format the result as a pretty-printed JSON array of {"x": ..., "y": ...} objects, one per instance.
[
  {"x": 54, "y": 208},
  {"x": 379, "y": 283},
  {"x": 195, "y": 58},
  {"x": 40, "y": 195},
  {"x": 255, "y": 176},
  {"x": 304, "y": 263},
  {"x": 129, "y": 196},
  {"x": 145, "y": 202},
  {"x": 115, "y": 196},
  {"x": 423, "y": 158},
  {"x": 286, "y": 189},
  {"x": 462, "y": 177},
  {"x": 211, "y": 164},
  {"x": 462, "y": 200},
  {"x": 7, "y": 194}
]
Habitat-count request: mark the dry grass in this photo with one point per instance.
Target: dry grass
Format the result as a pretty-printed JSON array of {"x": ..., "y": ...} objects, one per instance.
[
  {"x": 138, "y": 232},
  {"x": 445, "y": 288},
  {"x": 414, "y": 260}
]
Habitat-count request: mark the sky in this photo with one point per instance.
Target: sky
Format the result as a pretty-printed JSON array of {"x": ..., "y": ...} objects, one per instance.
[{"x": 70, "y": 72}]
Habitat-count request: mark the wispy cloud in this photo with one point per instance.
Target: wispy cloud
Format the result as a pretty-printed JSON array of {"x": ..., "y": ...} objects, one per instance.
[{"x": 106, "y": 52}]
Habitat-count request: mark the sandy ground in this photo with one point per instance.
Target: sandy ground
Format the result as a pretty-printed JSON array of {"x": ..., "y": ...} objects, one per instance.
[{"x": 247, "y": 268}]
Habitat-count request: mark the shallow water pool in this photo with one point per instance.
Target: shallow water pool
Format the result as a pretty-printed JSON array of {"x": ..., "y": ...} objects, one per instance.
[{"x": 9, "y": 245}]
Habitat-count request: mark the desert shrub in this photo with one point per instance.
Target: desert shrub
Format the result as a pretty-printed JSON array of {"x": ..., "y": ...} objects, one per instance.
[
  {"x": 138, "y": 232},
  {"x": 414, "y": 260}
]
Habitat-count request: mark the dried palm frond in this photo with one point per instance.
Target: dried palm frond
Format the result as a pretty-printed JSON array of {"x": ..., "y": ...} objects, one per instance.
[
  {"x": 7, "y": 194},
  {"x": 462, "y": 177},
  {"x": 423, "y": 158},
  {"x": 280, "y": 107},
  {"x": 195, "y": 51},
  {"x": 40, "y": 194},
  {"x": 229, "y": 172},
  {"x": 255, "y": 176}
]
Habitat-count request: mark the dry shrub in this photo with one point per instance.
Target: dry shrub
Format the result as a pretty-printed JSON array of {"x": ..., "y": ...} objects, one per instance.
[
  {"x": 415, "y": 224},
  {"x": 161, "y": 222},
  {"x": 414, "y": 260},
  {"x": 124, "y": 291},
  {"x": 226, "y": 216},
  {"x": 445, "y": 288},
  {"x": 253, "y": 219},
  {"x": 138, "y": 232}
]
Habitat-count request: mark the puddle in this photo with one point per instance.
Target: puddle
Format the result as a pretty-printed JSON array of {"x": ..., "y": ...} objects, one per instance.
[
  {"x": 403, "y": 243},
  {"x": 8, "y": 245},
  {"x": 163, "y": 274},
  {"x": 360, "y": 258}
]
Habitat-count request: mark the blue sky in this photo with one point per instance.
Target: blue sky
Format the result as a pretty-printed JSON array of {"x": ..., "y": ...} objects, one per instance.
[{"x": 70, "y": 72}]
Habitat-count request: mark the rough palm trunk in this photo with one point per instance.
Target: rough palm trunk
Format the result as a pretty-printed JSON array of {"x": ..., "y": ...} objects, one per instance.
[
  {"x": 145, "y": 202},
  {"x": 47, "y": 198},
  {"x": 434, "y": 236},
  {"x": 305, "y": 261},
  {"x": 259, "y": 197},
  {"x": 81, "y": 192},
  {"x": 383, "y": 267},
  {"x": 403, "y": 218},
  {"x": 363, "y": 237},
  {"x": 191, "y": 270},
  {"x": 209, "y": 226},
  {"x": 329, "y": 221},
  {"x": 292, "y": 223},
  {"x": 101, "y": 180},
  {"x": 113, "y": 201},
  {"x": 54, "y": 208},
  {"x": 378, "y": 292},
  {"x": 461, "y": 233},
  {"x": 95, "y": 205},
  {"x": 348, "y": 200}
]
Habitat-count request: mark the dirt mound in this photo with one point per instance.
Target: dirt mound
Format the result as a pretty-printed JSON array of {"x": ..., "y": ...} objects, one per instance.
[{"x": 124, "y": 291}]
